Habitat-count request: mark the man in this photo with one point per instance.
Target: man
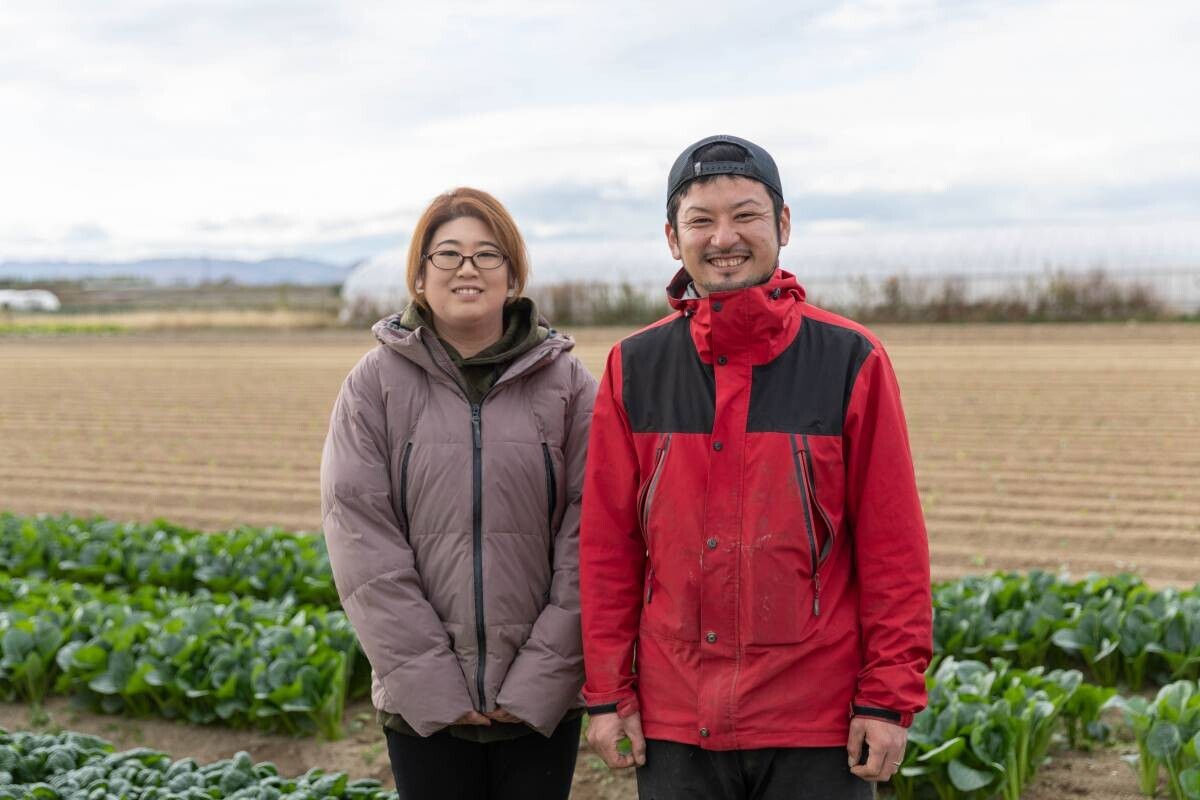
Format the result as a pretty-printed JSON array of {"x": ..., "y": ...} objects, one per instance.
[{"x": 754, "y": 564}]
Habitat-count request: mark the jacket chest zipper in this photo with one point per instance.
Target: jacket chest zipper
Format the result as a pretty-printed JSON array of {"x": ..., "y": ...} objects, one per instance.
[
  {"x": 802, "y": 480},
  {"x": 660, "y": 457},
  {"x": 477, "y": 544},
  {"x": 812, "y": 483}
]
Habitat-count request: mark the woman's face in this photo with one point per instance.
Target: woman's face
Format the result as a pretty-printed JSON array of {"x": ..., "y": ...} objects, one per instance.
[{"x": 466, "y": 298}]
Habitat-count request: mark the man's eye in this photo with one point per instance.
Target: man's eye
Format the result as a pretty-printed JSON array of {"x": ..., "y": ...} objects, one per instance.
[{"x": 699, "y": 221}]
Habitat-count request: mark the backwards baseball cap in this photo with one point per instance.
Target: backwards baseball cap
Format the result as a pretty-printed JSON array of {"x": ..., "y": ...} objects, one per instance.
[{"x": 757, "y": 164}]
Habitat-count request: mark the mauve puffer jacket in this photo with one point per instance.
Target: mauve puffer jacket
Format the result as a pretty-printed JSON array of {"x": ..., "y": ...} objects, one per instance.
[{"x": 453, "y": 529}]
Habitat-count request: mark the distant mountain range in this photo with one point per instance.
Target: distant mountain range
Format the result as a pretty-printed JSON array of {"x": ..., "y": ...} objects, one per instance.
[{"x": 186, "y": 271}]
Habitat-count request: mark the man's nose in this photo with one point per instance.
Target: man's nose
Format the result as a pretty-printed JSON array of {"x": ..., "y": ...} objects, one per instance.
[{"x": 724, "y": 235}]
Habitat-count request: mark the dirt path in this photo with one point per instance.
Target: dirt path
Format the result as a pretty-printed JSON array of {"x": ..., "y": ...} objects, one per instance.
[{"x": 1099, "y": 775}]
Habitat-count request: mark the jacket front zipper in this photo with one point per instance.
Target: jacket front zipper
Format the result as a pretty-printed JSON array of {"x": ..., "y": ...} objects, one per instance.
[
  {"x": 476, "y": 515},
  {"x": 802, "y": 481},
  {"x": 477, "y": 542}
]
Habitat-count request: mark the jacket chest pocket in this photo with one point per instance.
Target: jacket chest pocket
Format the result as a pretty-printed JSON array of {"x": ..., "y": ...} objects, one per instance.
[
  {"x": 792, "y": 543},
  {"x": 670, "y": 596}
]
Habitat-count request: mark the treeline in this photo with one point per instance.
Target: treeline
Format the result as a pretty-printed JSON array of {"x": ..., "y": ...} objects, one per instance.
[
  {"x": 1094, "y": 296},
  {"x": 1055, "y": 297}
]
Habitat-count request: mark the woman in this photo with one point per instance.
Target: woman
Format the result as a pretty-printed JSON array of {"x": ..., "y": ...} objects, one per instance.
[{"x": 450, "y": 487}]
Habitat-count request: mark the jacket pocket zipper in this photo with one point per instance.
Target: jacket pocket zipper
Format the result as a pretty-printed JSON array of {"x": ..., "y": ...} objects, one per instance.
[
  {"x": 812, "y": 490},
  {"x": 802, "y": 482},
  {"x": 551, "y": 491},
  {"x": 551, "y": 505},
  {"x": 404, "y": 486},
  {"x": 660, "y": 458}
]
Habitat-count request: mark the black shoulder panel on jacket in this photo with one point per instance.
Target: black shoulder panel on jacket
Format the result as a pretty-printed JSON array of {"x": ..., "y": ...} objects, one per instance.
[
  {"x": 665, "y": 386},
  {"x": 806, "y": 389}
]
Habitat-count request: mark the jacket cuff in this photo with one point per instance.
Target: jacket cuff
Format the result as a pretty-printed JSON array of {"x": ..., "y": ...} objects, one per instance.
[
  {"x": 901, "y": 718},
  {"x": 622, "y": 708}
]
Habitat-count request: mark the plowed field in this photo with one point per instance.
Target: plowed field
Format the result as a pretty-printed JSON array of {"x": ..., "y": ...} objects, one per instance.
[
  {"x": 1072, "y": 447},
  {"x": 1075, "y": 447}
]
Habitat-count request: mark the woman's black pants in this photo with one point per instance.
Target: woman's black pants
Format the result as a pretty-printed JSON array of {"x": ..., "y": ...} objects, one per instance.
[{"x": 447, "y": 768}]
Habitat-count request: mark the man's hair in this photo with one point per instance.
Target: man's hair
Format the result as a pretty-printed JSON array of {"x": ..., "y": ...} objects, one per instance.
[
  {"x": 718, "y": 151},
  {"x": 467, "y": 202}
]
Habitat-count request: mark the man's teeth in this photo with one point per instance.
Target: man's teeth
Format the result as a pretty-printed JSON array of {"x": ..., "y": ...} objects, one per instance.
[
  {"x": 727, "y": 262},
  {"x": 468, "y": 291}
]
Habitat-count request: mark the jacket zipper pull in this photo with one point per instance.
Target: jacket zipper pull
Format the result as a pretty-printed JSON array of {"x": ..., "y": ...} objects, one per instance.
[
  {"x": 816, "y": 595},
  {"x": 475, "y": 427}
]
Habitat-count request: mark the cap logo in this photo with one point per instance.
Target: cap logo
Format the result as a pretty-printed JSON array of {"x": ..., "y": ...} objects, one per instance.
[{"x": 697, "y": 167}]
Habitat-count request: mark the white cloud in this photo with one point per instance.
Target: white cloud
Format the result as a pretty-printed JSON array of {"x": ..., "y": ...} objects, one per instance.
[{"x": 261, "y": 129}]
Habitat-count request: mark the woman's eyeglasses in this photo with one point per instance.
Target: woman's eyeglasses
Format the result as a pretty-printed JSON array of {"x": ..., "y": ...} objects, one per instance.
[{"x": 452, "y": 259}]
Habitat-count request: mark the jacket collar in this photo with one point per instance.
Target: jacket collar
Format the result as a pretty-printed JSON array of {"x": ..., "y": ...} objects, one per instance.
[
  {"x": 420, "y": 345},
  {"x": 756, "y": 323}
]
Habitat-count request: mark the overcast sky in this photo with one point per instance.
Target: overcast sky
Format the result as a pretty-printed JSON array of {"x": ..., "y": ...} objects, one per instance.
[{"x": 250, "y": 128}]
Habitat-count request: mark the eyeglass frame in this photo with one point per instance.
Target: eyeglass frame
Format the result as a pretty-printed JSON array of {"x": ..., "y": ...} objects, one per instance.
[{"x": 462, "y": 259}]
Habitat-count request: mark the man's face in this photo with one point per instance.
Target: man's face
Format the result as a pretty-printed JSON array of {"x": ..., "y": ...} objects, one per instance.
[{"x": 727, "y": 237}]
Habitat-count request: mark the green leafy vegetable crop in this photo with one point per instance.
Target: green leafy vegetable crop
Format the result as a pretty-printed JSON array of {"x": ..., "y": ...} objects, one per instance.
[
  {"x": 987, "y": 728},
  {"x": 1167, "y": 730},
  {"x": 252, "y": 562},
  {"x": 71, "y": 766},
  {"x": 1116, "y": 628},
  {"x": 203, "y": 657}
]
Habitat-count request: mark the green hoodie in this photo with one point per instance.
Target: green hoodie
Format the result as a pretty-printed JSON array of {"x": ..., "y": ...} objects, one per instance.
[{"x": 522, "y": 331}]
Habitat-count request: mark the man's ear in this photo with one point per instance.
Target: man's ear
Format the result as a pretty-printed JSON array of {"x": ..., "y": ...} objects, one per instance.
[
  {"x": 673, "y": 242},
  {"x": 785, "y": 225}
]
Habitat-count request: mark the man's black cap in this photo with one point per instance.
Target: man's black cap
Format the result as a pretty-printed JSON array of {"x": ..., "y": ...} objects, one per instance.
[{"x": 758, "y": 165}]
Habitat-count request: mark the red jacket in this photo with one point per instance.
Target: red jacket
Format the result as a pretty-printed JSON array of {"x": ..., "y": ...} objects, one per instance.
[{"x": 753, "y": 561}]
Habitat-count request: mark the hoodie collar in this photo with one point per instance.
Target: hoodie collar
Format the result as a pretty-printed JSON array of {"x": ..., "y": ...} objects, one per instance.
[
  {"x": 409, "y": 335},
  {"x": 755, "y": 323}
]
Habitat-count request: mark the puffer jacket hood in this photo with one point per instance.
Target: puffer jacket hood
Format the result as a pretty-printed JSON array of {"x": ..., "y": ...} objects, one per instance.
[{"x": 453, "y": 528}]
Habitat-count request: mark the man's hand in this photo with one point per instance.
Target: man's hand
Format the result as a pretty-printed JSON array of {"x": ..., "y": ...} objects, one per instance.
[
  {"x": 472, "y": 718},
  {"x": 500, "y": 715},
  {"x": 885, "y": 748},
  {"x": 604, "y": 733}
]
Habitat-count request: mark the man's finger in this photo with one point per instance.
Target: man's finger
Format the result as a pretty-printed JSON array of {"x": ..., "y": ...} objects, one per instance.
[
  {"x": 854, "y": 744},
  {"x": 612, "y": 755},
  {"x": 873, "y": 769},
  {"x": 633, "y": 729}
]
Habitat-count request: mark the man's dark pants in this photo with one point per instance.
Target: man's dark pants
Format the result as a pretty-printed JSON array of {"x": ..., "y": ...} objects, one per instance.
[{"x": 677, "y": 771}]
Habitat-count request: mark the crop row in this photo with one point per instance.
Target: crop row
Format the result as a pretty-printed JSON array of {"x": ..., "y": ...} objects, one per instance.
[
  {"x": 252, "y": 562},
  {"x": 1115, "y": 627},
  {"x": 72, "y": 766},
  {"x": 202, "y": 657},
  {"x": 1167, "y": 730},
  {"x": 988, "y": 726}
]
